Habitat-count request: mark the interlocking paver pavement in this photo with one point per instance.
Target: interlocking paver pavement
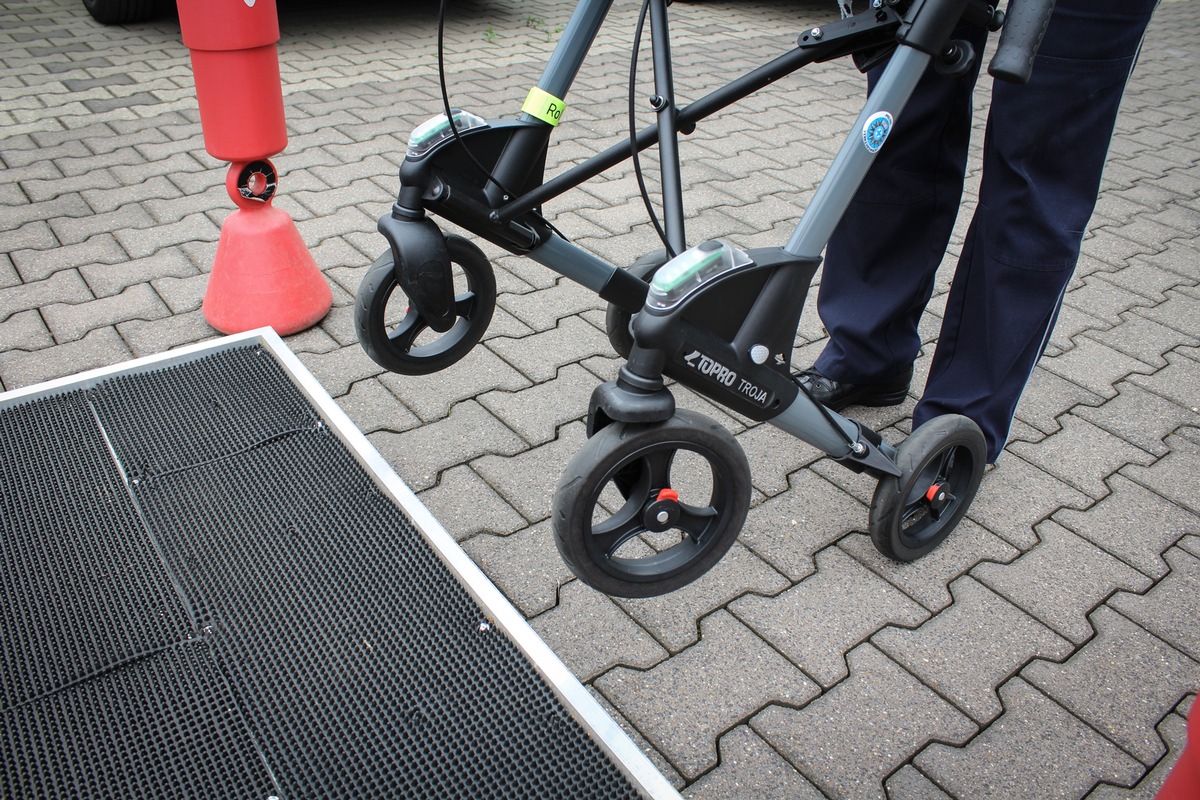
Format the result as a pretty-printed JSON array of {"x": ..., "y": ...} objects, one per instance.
[{"x": 1049, "y": 649}]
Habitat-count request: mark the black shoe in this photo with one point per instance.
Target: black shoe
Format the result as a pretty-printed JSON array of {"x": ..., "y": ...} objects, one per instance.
[{"x": 837, "y": 396}]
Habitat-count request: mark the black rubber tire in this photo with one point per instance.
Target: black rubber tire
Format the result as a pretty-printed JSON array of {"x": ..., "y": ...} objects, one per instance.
[
  {"x": 711, "y": 528},
  {"x": 394, "y": 348},
  {"x": 948, "y": 451},
  {"x": 616, "y": 320},
  {"x": 122, "y": 12}
]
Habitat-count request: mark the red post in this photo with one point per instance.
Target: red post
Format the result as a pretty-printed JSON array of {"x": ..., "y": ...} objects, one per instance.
[
  {"x": 1183, "y": 783},
  {"x": 262, "y": 274}
]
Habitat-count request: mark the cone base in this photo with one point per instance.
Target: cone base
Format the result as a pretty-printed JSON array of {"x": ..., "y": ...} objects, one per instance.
[{"x": 263, "y": 275}]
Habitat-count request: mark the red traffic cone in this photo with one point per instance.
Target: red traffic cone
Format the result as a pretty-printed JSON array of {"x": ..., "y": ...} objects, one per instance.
[
  {"x": 262, "y": 274},
  {"x": 1183, "y": 783}
]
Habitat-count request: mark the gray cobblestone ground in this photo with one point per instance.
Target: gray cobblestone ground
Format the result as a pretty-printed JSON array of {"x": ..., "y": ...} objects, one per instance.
[{"x": 1049, "y": 649}]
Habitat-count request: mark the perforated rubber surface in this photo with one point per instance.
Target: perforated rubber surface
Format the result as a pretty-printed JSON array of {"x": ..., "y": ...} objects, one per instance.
[{"x": 238, "y": 611}]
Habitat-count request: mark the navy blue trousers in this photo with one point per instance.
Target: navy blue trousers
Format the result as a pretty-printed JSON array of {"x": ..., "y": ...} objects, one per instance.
[{"x": 1043, "y": 155}]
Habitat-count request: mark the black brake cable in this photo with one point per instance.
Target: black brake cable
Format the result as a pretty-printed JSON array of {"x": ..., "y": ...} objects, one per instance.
[
  {"x": 633, "y": 148},
  {"x": 458, "y": 138}
]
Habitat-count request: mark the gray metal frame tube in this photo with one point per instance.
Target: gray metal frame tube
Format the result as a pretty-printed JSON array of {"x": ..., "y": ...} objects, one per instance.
[
  {"x": 804, "y": 420},
  {"x": 833, "y": 196},
  {"x": 573, "y": 47},
  {"x": 573, "y": 262}
]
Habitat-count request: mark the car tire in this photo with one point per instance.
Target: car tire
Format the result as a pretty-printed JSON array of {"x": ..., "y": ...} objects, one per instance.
[{"x": 122, "y": 12}]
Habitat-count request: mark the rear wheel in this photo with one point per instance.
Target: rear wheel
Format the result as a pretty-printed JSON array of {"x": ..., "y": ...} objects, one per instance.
[{"x": 941, "y": 465}]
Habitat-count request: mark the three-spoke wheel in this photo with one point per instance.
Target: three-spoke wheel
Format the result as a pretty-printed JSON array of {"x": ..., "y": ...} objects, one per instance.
[
  {"x": 643, "y": 510},
  {"x": 941, "y": 465},
  {"x": 395, "y": 335}
]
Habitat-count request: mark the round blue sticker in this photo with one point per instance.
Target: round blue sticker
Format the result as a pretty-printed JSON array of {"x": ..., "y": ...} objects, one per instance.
[{"x": 876, "y": 130}]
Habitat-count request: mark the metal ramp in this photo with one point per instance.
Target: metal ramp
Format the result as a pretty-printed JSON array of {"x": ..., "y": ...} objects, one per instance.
[{"x": 212, "y": 586}]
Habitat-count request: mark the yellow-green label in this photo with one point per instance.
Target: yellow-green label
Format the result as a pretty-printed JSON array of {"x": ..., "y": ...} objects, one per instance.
[{"x": 544, "y": 106}]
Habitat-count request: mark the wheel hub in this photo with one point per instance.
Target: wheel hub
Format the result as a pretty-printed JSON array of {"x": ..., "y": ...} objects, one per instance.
[
  {"x": 939, "y": 498},
  {"x": 662, "y": 512}
]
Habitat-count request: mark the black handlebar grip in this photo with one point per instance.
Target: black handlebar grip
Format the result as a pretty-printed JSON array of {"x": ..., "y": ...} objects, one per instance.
[{"x": 1025, "y": 24}]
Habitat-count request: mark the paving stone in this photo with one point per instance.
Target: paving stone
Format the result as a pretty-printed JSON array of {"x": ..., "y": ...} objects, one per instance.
[
  {"x": 816, "y": 621},
  {"x": 25, "y": 330},
  {"x": 927, "y": 579},
  {"x": 527, "y": 477},
  {"x": 433, "y": 396},
  {"x": 106, "y": 280},
  {"x": 371, "y": 407},
  {"x": 1036, "y": 749},
  {"x": 1173, "y": 732},
  {"x": 338, "y": 369},
  {"x": 1173, "y": 476},
  {"x": 35, "y": 235},
  {"x": 909, "y": 784},
  {"x": 1179, "y": 381},
  {"x": 1140, "y": 417},
  {"x": 773, "y": 456},
  {"x": 69, "y": 322},
  {"x": 36, "y": 265},
  {"x": 591, "y": 634},
  {"x": 971, "y": 648},
  {"x": 681, "y": 714},
  {"x": 311, "y": 340},
  {"x": 1072, "y": 323},
  {"x": 1048, "y": 396},
  {"x": 1143, "y": 339},
  {"x": 1170, "y": 609},
  {"x": 1179, "y": 311},
  {"x": 1119, "y": 682},
  {"x": 524, "y": 565},
  {"x": 1061, "y": 580},
  {"x": 106, "y": 199},
  {"x": 419, "y": 455},
  {"x": 537, "y": 412},
  {"x": 1143, "y": 276},
  {"x": 1133, "y": 524},
  {"x": 857, "y": 733},
  {"x": 144, "y": 242},
  {"x": 788, "y": 529},
  {"x": 1016, "y": 496},
  {"x": 750, "y": 768},
  {"x": 466, "y": 505},
  {"x": 1094, "y": 366},
  {"x": 656, "y": 758},
  {"x": 147, "y": 337},
  {"x": 738, "y": 572},
  {"x": 540, "y": 356},
  {"x": 543, "y": 309},
  {"x": 1093, "y": 453},
  {"x": 182, "y": 293},
  {"x": 99, "y": 348}
]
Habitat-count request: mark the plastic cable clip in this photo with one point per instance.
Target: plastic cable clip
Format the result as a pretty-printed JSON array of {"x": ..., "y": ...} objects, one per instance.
[{"x": 544, "y": 106}]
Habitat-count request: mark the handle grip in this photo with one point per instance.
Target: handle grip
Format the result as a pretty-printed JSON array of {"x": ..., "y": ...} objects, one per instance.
[{"x": 1025, "y": 23}]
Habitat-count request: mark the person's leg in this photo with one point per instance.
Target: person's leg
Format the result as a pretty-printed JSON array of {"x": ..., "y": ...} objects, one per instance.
[
  {"x": 1044, "y": 153},
  {"x": 881, "y": 261}
]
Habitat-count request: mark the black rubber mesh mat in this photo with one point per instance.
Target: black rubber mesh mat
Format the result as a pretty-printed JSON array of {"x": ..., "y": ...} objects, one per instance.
[{"x": 358, "y": 664}]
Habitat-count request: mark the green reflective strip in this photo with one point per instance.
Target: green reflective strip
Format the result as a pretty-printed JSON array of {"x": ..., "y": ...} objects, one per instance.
[{"x": 544, "y": 106}]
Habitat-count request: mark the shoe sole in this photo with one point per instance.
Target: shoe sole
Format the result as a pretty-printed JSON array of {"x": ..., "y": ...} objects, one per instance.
[{"x": 870, "y": 400}]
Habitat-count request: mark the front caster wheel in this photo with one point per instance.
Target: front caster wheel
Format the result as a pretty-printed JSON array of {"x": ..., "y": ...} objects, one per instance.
[
  {"x": 398, "y": 339},
  {"x": 941, "y": 465},
  {"x": 643, "y": 510}
]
